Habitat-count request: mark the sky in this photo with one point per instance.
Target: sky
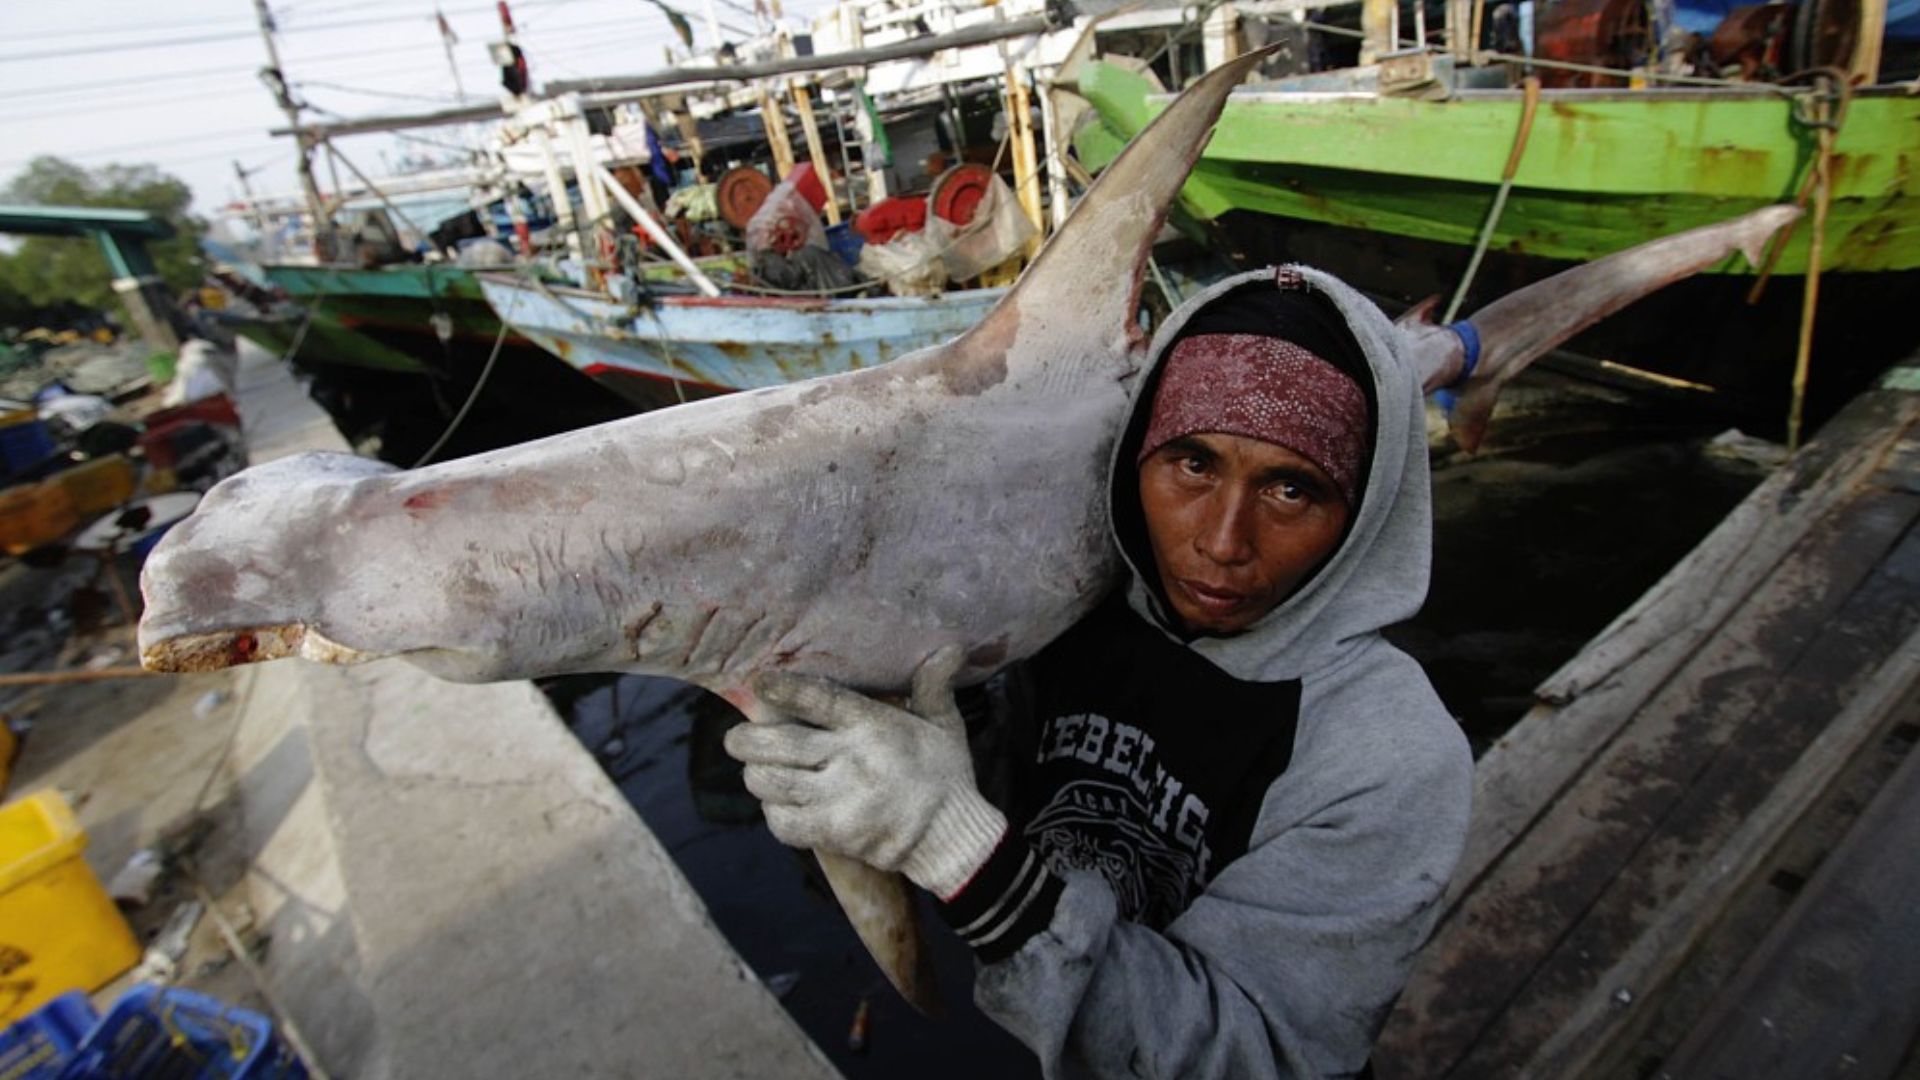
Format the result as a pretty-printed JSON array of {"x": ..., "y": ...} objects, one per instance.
[{"x": 133, "y": 82}]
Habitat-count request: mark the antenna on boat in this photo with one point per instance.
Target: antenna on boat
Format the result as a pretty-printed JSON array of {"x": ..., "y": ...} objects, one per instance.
[{"x": 274, "y": 76}]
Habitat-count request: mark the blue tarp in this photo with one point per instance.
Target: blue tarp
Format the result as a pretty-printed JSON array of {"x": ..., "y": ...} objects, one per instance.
[{"x": 1701, "y": 16}]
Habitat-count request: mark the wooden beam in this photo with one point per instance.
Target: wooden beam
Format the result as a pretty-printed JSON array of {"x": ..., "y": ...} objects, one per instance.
[
  {"x": 1865, "y": 66},
  {"x": 1026, "y": 159},
  {"x": 981, "y": 34},
  {"x": 1835, "y": 987},
  {"x": 1633, "y": 980},
  {"x": 1376, "y": 23},
  {"x": 816, "y": 151},
  {"x": 775, "y": 122}
]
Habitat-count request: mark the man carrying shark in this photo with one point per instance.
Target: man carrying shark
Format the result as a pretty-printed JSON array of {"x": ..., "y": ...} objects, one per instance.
[{"x": 1233, "y": 806}]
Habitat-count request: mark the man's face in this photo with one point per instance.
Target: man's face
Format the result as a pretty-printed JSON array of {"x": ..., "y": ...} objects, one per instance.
[{"x": 1236, "y": 524}]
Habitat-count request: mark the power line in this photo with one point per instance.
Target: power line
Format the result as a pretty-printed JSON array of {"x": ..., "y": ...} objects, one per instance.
[
  {"x": 444, "y": 99},
  {"x": 125, "y": 106},
  {"x": 235, "y": 35},
  {"x": 224, "y": 151}
]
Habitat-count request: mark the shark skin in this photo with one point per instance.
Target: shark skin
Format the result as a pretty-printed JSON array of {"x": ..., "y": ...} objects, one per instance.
[{"x": 846, "y": 527}]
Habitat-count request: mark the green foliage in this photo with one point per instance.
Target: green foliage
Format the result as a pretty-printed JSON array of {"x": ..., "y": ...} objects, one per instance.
[{"x": 54, "y": 271}]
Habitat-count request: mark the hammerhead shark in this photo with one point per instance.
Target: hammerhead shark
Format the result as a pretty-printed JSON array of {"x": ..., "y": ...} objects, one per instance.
[{"x": 845, "y": 527}]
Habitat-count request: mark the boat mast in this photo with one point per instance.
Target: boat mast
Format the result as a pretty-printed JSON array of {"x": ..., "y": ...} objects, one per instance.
[{"x": 276, "y": 80}]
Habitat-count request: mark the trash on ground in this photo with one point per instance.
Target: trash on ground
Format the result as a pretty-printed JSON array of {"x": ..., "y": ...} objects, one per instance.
[
  {"x": 134, "y": 882},
  {"x": 209, "y": 703},
  {"x": 1736, "y": 445},
  {"x": 162, "y": 960}
]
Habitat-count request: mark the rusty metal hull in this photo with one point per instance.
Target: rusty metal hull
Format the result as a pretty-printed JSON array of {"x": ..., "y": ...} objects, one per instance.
[{"x": 691, "y": 346}]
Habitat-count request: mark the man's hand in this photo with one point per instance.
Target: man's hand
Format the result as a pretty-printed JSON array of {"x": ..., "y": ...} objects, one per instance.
[{"x": 864, "y": 779}]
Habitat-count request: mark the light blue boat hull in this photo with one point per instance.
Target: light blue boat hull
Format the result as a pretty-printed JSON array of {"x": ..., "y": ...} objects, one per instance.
[{"x": 691, "y": 346}]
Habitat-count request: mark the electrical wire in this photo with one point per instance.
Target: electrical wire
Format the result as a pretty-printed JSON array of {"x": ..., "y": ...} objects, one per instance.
[
  {"x": 444, "y": 99},
  {"x": 235, "y": 35}
]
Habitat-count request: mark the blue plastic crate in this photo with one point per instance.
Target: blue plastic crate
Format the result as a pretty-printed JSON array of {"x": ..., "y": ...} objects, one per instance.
[
  {"x": 151, "y": 1033},
  {"x": 845, "y": 242},
  {"x": 24, "y": 444},
  {"x": 39, "y": 1045}
]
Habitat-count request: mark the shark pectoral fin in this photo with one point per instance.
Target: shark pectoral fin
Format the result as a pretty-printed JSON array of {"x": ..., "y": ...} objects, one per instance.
[{"x": 880, "y": 906}]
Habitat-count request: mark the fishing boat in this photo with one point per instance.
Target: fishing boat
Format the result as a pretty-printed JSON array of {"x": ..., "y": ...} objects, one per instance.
[
  {"x": 1390, "y": 175},
  {"x": 678, "y": 348}
]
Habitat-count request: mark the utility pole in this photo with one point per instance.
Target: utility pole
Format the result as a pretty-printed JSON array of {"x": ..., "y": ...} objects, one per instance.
[
  {"x": 254, "y": 212},
  {"x": 276, "y": 81},
  {"x": 447, "y": 41}
]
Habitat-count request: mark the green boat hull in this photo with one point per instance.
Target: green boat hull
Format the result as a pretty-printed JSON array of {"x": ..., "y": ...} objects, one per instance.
[{"x": 1602, "y": 170}]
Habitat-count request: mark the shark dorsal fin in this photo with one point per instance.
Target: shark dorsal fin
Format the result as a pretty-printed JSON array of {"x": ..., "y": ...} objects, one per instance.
[{"x": 1081, "y": 294}]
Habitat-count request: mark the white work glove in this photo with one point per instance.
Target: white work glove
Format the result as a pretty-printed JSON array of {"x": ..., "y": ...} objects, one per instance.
[{"x": 843, "y": 773}]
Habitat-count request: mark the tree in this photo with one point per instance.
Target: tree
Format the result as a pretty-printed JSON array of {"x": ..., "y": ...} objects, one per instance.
[{"x": 46, "y": 270}]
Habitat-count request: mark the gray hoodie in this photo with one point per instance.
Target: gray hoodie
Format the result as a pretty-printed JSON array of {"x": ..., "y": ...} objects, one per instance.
[{"x": 1287, "y": 962}]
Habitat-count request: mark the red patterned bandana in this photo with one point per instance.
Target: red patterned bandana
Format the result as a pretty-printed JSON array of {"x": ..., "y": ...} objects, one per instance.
[{"x": 1267, "y": 389}]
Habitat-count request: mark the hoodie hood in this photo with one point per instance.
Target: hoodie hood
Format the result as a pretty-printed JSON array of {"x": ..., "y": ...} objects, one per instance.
[{"x": 1378, "y": 575}]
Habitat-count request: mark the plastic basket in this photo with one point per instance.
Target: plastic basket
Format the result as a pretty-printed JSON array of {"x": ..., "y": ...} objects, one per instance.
[
  {"x": 40, "y": 1046},
  {"x": 151, "y": 1032}
]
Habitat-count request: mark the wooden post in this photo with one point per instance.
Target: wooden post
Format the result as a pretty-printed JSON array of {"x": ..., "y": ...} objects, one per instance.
[
  {"x": 557, "y": 192},
  {"x": 1026, "y": 159},
  {"x": 1220, "y": 36},
  {"x": 1058, "y": 202},
  {"x": 1459, "y": 24},
  {"x": 1376, "y": 23},
  {"x": 1816, "y": 242},
  {"x": 803, "y": 101},
  {"x": 1865, "y": 68},
  {"x": 776, "y": 124}
]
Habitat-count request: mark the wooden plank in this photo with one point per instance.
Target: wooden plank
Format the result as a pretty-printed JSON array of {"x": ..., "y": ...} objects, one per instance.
[
  {"x": 1502, "y": 933},
  {"x": 1594, "y": 695},
  {"x": 1637, "y": 977},
  {"x": 1835, "y": 990},
  {"x": 1694, "y": 798}
]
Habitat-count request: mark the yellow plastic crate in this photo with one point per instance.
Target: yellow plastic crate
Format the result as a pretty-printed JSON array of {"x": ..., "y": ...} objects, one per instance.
[{"x": 59, "y": 931}]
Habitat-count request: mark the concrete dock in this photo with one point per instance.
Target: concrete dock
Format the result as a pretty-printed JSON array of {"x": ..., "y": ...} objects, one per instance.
[{"x": 450, "y": 884}]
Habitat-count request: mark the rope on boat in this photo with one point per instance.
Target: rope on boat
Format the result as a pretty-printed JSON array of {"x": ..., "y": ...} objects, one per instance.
[
  {"x": 453, "y": 425},
  {"x": 1820, "y": 116},
  {"x": 1837, "y": 80},
  {"x": 1529, "y": 103}
]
